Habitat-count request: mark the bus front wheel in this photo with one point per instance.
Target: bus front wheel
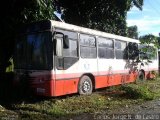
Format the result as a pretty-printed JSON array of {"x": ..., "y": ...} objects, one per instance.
[{"x": 85, "y": 86}]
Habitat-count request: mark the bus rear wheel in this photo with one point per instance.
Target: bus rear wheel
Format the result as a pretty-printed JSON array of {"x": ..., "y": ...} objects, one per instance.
[{"x": 85, "y": 86}]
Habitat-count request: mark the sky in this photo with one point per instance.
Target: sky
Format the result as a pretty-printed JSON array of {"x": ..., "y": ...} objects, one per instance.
[{"x": 147, "y": 20}]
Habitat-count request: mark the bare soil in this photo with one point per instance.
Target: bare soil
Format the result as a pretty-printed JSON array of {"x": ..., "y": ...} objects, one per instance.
[{"x": 149, "y": 110}]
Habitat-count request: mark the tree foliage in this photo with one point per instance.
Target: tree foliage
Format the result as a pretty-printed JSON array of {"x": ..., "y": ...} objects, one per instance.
[
  {"x": 149, "y": 39},
  {"x": 143, "y": 54},
  {"x": 151, "y": 45},
  {"x": 104, "y": 15},
  {"x": 132, "y": 32},
  {"x": 13, "y": 15}
]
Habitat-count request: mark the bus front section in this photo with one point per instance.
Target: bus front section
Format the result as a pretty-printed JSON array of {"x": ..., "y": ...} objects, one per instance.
[{"x": 33, "y": 59}]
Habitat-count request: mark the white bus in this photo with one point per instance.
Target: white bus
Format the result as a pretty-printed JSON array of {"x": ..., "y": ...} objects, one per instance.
[{"x": 59, "y": 58}]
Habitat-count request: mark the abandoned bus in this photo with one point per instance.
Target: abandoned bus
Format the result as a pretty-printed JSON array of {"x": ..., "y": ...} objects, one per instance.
[{"x": 59, "y": 58}]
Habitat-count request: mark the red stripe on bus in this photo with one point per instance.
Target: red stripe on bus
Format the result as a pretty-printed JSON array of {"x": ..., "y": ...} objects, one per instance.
[
  {"x": 60, "y": 87},
  {"x": 56, "y": 88},
  {"x": 63, "y": 87}
]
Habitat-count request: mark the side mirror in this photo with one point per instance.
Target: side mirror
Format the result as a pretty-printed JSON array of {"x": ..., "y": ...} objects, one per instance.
[
  {"x": 54, "y": 46},
  {"x": 66, "y": 42}
]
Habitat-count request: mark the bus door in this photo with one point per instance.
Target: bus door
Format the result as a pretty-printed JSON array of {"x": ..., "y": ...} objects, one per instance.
[{"x": 66, "y": 57}]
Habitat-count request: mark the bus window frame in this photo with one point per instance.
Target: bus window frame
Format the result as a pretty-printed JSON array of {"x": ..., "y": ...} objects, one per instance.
[
  {"x": 122, "y": 50},
  {"x": 87, "y": 46},
  {"x": 106, "y": 38},
  {"x": 65, "y": 58}
]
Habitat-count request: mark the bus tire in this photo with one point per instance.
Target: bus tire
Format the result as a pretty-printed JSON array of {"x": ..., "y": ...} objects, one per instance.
[
  {"x": 141, "y": 76},
  {"x": 85, "y": 85}
]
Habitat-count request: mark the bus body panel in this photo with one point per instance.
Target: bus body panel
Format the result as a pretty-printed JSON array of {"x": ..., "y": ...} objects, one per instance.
[
  {"x": 106, "y": 72},
  {"x": 42, "y": 82},
  {"x": 67, "y": 80},
  {"x": 64, "y": 87}
]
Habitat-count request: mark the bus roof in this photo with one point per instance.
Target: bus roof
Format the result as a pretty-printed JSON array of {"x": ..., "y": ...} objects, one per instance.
[{"x": 71, "y": 27}]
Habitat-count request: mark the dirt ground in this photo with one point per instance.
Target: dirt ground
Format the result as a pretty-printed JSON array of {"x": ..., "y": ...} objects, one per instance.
[
  {"x": 145, "y": 110},
  {"x": 149, "y": 110}
]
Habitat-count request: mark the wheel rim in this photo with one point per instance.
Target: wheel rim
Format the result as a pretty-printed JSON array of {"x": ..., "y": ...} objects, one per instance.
[{"x": 86, "y": 86}]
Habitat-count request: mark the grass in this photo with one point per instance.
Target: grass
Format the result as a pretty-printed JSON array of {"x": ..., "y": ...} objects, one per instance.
[
  {"x": 65, "y": 106},
  {"x": 138, "y": 92},
  {"x": 103, "y": 100}
]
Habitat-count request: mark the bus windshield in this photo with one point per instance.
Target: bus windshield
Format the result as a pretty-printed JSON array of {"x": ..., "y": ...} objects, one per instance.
[{"x": 34, "y": 51}]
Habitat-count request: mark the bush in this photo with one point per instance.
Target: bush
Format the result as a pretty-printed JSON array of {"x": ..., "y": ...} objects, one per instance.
[{"x": 138, "y": 92}]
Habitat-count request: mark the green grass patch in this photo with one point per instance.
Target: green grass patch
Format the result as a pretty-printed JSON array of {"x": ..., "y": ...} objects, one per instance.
[
  {"x": 138, "y": 92},
  {"x": 66, "y": 106}
]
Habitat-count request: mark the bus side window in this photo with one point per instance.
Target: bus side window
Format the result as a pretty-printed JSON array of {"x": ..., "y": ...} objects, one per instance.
[
  {"x": 133, "y": 51},
  {"x": 87, "y": 46},
  {"x": 67, "y": 53},
  {"x": 70, "y": 48},
  {"x": 120, "y": 49},
  {"x": 105, "y": 48}
]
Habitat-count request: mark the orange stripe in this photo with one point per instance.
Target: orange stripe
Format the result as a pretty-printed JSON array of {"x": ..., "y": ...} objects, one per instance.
[{"x": 60, "y": 87}]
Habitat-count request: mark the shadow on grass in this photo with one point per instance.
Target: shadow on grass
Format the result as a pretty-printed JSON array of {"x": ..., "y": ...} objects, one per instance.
[
  {"x": 10, "y": 94},
  {"x": 21, "y": 98}
]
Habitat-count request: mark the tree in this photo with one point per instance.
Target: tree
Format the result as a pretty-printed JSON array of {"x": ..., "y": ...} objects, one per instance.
[
  {"x": 13, "y": 15},
  {"x": 149, "y": 49},
  {"x": 104, "y": 15},
  {"x": 158, "y": 40},
  {"x": 132, "y": 32},
  {"x": 149, "y": 39},
  {"x": 143, "y": 54}
]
